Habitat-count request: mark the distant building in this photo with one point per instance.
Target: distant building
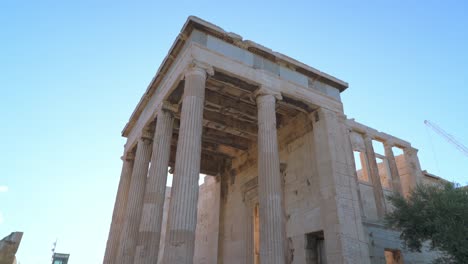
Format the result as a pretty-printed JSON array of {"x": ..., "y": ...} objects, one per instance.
[{"x": 59, "y": 258}]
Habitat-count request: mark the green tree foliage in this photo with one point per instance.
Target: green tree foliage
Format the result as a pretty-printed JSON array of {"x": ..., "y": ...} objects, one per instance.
[{"x": 437, "y": 214}]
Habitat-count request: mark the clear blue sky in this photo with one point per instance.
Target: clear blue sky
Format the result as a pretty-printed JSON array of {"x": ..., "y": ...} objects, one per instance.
[{"x": 71, "y": 72}]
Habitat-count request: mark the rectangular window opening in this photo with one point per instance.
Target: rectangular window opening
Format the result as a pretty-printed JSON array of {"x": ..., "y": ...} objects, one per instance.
[
  {"x": 378, "y": 147},
  {"x": 397, "y": 151},
  {"x": 399, "y": 159},
  {"x": 361, "y": 166}
]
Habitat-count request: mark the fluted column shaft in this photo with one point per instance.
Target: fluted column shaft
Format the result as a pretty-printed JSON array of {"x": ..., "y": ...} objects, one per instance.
[
  {"x": 396, "y": 184},
  {"x": 129, "y": 236},
  {"x": 150, "y": 226},
  {"x": 272, "y": 246},
  {"x": 375, "y": 177},
  {"x": 119, "y": 210},
  {"x": 182, "y": 219}
]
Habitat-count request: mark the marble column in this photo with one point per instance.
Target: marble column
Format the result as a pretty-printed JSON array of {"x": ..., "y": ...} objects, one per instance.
[
  {"x": 129, "y": 236},
  {"x": 119, "y": 209},
  {"x": 396, "y": 184},
  {"x": 375, "y": 177},
  {"x": 272, "y": 241},
  {"x": 151, "y": 220},
  {"x": 182, "y": 219}
]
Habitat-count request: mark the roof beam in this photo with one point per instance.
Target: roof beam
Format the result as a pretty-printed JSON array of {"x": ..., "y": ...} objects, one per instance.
[
  {"x": 228, "y": 124},
  {"x": 221, "y": 138},
  {"x": 230, "y": 106}
]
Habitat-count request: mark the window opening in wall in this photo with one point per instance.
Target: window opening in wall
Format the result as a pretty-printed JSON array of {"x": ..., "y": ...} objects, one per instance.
[
  {"x": 393, "y": 256},
  {"x": 400, "y": 160},
  {"x": 315, "y": 248},
  {"x": 382, "y": 164},
  {"x": 361, "y": 166},
  {"x": 256, "y": 221},
  {"x": 384, "y": 171},
  {"x": 397, "y": 151},
  {"x": 378, "y": 147}
]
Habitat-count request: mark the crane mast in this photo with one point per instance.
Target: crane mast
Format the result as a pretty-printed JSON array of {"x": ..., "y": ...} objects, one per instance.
[{"x": 447, "y": 137}]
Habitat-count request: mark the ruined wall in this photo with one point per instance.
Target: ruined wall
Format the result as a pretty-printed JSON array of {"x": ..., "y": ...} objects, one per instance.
[
  {"x": 206, "y": 233},
  {"x": 164, "y": 224},
  {"x": 234, "y": 218},
  {"x": 366, "y": 190},
  {"x": 403, "y": 171},
  {"x": 368, "y": 201},
  {"x": 381, "y": 238},
  {"x": 301, "y": 199},
  {"x": 302, "y": 195}
]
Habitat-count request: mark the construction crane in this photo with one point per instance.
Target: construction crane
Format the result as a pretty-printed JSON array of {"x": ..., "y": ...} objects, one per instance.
[{"x": 447, "y": 137}]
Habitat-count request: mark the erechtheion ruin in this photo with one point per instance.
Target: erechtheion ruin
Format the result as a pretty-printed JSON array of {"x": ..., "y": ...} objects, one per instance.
[{"x": 290, "y": 178}]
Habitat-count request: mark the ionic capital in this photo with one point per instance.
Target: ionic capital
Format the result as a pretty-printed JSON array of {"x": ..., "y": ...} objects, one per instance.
[
  {"x": 265, "y": 92},
  {"x": 199, "y": 68},
  {"x": 169, "y": 108},
  {"x": 128, "y": 156},
  {"x": 147, "y": 135}
]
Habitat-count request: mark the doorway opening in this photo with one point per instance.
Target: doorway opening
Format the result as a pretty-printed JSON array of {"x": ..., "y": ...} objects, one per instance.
[{"x": 315, "y": 248}]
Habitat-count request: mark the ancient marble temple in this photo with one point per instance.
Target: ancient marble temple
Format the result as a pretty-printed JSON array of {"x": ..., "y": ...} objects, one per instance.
[{"x": 289, "y": 178}]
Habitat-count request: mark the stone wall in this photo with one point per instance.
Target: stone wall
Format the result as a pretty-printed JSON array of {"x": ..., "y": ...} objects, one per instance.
[
  {"x": 206, "y": 234},
  {"x": 301, "y": 199},
  {"x": 381, "y": 239}
]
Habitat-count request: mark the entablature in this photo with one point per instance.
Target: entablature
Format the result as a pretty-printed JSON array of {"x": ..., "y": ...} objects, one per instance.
[{"x": 377, "y": 135}]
